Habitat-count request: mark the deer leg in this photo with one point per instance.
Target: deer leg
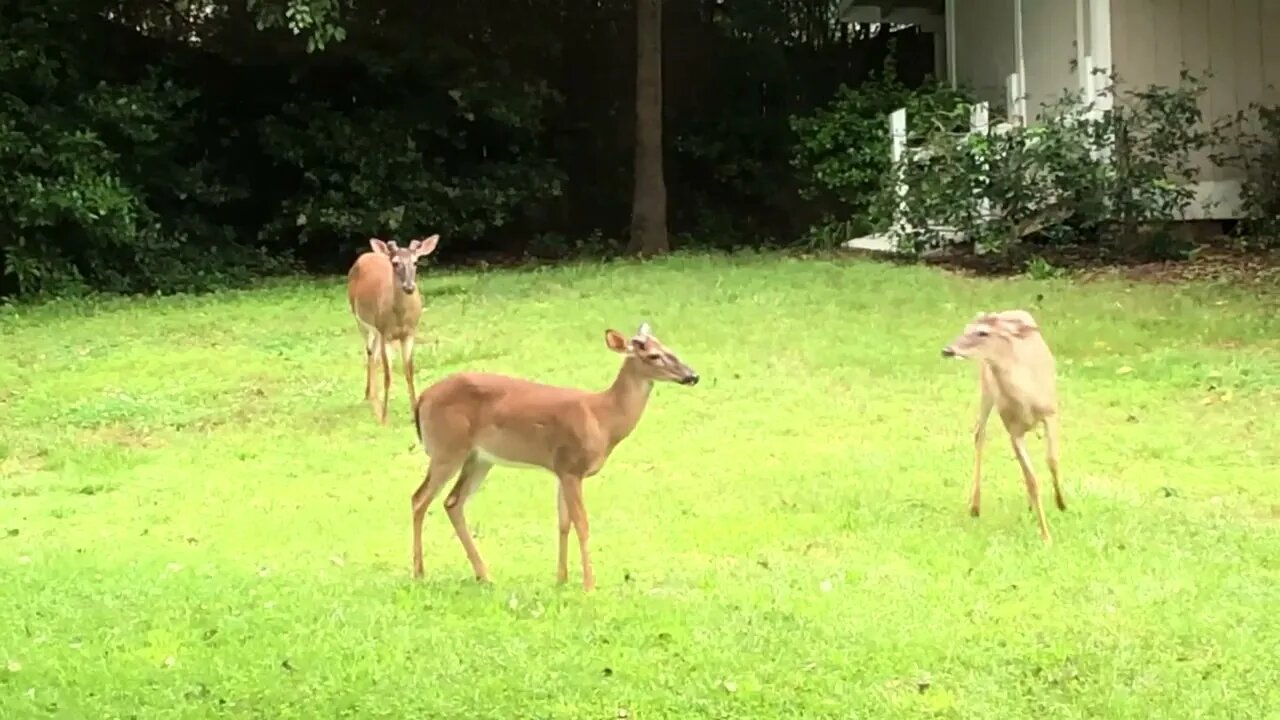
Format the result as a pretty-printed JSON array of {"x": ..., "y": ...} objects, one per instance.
[
  {"x": 474, "y": 471},
  {"x": 571, "y": 486},
  {"x": 386, "y": 377},
  {"x": 438, "y": 473},
  {"x": 562, "y": 563},
  {"x": 979, "y": 441},
  {"x": 370, "y": 343},
  {"x": 1051, "y": 454},
  {"x": 1033, "y": 488},
  {"x": 406, "y": 359}
]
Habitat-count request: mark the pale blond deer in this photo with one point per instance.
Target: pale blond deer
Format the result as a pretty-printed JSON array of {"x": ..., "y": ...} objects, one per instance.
[
  {"x": 1017, "y": 378},
  {"x": 382, "y": 289},
  {"x": 469, "y": 422}
]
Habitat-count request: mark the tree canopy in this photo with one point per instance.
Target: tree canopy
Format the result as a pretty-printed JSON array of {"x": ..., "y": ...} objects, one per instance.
[{"x": 184, "y": 144}]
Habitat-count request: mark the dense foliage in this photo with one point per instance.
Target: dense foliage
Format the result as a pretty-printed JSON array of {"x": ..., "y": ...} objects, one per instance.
[
  {"x": 842, "y": 150},
  {"x": 1254, "y": 148},
  {"x": 1076, "y": 174},
  {"x": 184, "y": 144}
]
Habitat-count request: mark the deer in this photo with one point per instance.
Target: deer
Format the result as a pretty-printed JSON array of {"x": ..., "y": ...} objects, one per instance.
[
  {"x": 1017, "y": 378},
  {"x": 382, "y": 290},
  {"x": 469, "y": 421}
]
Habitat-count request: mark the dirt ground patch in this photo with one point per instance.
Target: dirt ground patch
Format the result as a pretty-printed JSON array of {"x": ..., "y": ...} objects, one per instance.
[{"x": 1211, "y": 262}]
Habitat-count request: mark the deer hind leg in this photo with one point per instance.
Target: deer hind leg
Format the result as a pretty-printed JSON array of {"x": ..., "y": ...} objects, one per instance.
[
  {"x": 979, "y": 441},
  {"x": 1051, "y": 455},
  {"x": 1033, "y": 488},
  {"x": 571, "y": 487},
  {"x": 473, "y": 473},
  {"x": 406, "y": 360},
  {"x": 442, "y": 468},
  {"x": 566, "y": 523}
]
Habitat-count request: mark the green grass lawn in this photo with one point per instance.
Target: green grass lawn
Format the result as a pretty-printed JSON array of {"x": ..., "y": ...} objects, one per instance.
[{"x": 199, "y": 516}]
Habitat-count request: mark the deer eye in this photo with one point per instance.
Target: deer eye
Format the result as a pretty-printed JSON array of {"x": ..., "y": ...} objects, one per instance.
[
  {"x": 983, "y": 333},
  {"x": 654, "y": 357}
]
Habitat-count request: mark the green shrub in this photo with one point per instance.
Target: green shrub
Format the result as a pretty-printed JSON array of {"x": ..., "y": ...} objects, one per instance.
[
  {"x": 842, "y": 150},
  {"x": 1075, "y": 175}
]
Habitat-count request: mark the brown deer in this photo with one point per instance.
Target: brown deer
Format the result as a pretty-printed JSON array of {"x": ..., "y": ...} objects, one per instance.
[
  {"x": 382, "y": 290},
  {"x": 469, "y": 422},
  {"x": 1017, "y": 379}
]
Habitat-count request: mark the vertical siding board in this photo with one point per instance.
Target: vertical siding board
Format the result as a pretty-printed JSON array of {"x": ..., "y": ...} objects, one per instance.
[
  {"x": 1194, "y": 27},
  {"x": 1248, "y": 54},
  {"x": 984, "y": 46},
  {"x": 1222, "y": 84},
  {"x": 1168, "y": 42},
  {"x": 1269, "y": 27},
  {"x": 1049, "y": 48}
]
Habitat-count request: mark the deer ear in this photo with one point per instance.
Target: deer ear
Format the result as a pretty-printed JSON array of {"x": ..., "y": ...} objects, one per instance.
[
  {"x": 615, "y": 342},
  {"x": 425, "y": 246},
  {"x": 1019, "y": 322},
  {"x": 643, "y": 332},
  {"x": 379, "y": 246}
]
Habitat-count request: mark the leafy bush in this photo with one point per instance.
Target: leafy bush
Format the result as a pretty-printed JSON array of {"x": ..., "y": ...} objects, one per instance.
[
  {"x": 1255, "y": 135},
  {"x": 842, "y": 150},
  {"x": 1075, "y": 174},
  {"x": 392, "y": 169},
  {"x": 96, "y": 161}
]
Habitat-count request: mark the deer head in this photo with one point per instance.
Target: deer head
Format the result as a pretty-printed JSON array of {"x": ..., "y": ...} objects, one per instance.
[
  {"x": 991, "y": 336},
  {"x": 650, "y": 358},
  {"x": 404, "y": 261}
]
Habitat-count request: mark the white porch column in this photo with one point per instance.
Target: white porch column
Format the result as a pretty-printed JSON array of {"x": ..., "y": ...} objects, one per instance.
[
  {"x": 1100, "y": 48},
  {"x": 1020, "y": 55},
  {"x": 1082, "y": 72}
]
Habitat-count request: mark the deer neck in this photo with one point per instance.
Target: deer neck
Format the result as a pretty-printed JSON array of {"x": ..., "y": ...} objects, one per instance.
[
  {"x": 624, "y": 401},
  {"x": 402, "y": 303}
]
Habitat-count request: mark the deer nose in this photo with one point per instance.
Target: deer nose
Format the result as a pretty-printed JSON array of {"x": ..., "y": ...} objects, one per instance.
[
  {"x": 948, "y": 352},
  {"x": 690, "y": 379}
]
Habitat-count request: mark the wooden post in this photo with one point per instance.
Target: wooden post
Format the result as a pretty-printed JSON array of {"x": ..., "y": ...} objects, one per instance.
[
  {"x": 980, "y": 124},
  {"x": 897, "y": 155}
]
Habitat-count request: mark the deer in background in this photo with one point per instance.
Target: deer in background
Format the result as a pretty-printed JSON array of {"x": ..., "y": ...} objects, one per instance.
[
  {"x": 469, "y": 422},
  {"x": 1017, "y": 379},
  {"x": 382, "y": 290}
]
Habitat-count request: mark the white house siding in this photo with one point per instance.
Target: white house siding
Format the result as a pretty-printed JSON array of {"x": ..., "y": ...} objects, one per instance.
[
  {"x": 1237, "y": 41},
  {"x": 1049, "y": 51},
  {"x": 984, "y": 47}
]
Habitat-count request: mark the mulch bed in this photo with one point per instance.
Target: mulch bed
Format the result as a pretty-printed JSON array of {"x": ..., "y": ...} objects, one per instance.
[{"x": 1212, "y": 262}]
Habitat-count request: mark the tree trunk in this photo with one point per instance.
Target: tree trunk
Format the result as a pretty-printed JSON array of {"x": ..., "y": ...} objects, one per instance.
[{"x": 649, "y": 203}]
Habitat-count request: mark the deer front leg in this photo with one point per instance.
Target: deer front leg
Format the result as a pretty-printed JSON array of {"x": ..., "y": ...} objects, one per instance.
[
  {"x": 1051, "y": 455},
  {"x": 386, "y": 378},
  {"x": 376, "y": 348},
  {"x": 571, "y": 486},
  {"x": 406, "y": 359},
  {"x": 473, "y": 473},
  {"x": 979, "y": 441},
  {"x": 1033, "y": 488}
]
